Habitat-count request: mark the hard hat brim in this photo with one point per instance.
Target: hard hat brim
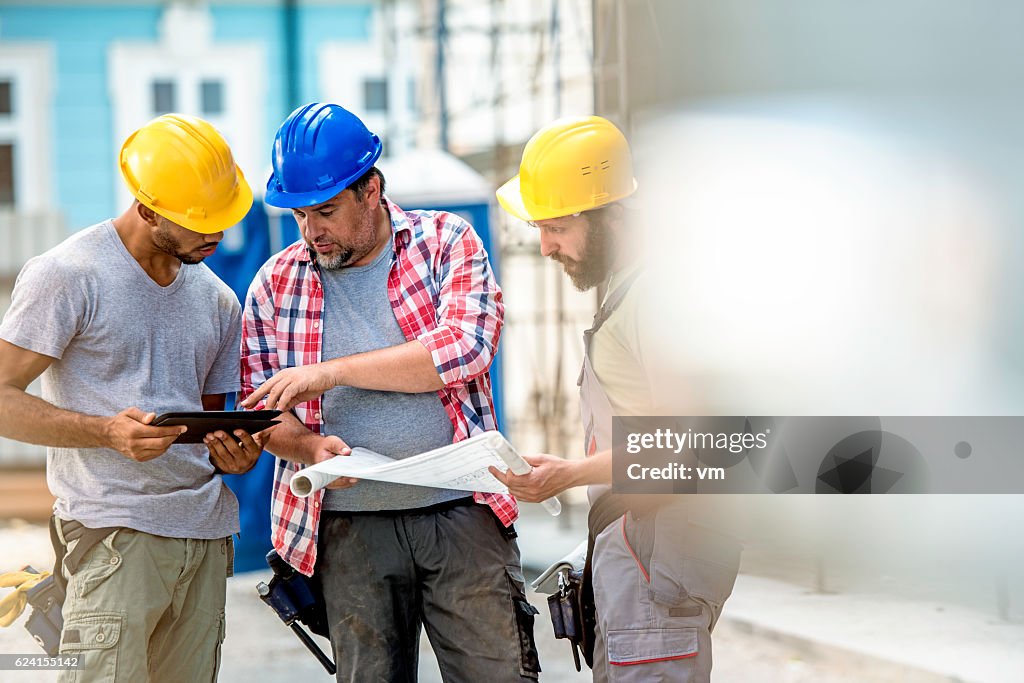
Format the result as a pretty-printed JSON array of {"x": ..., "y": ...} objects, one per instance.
[
  {"x": 217, "y": 221},
  {"x": 298, "y": 200},
  {"x": 511, "y": 199}
]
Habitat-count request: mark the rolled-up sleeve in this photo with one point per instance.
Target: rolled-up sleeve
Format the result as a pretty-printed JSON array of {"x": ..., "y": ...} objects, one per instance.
[
  {"x": 470, "y": 311},
  {"x": 259, "y": 341}
]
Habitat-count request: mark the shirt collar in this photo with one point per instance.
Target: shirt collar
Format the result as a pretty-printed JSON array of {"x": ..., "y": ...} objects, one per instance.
[{"x": 401, "y": 229}]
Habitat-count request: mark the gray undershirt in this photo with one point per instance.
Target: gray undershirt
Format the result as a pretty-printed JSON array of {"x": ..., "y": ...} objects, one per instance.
[{"x": 358, "y": 317}]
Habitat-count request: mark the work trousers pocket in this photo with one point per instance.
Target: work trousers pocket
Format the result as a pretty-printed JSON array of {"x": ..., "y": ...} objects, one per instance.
[
  {"x": 525, "y": 615},
  {"x": 683, "y": 560},
  {"x": 651, "y": 655},
  {"x": 93, "y": 639},
  {"x": 96, "y": 566}
]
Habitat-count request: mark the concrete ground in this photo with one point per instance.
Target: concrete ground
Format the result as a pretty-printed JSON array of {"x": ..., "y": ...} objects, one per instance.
[{"x": 772, "y": 631}]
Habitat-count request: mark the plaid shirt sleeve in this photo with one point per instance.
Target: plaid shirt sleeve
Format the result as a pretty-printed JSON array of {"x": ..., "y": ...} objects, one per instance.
[
  {"x": 464, "y": 338},
  {"x": 469, "y": 308},
  {"x": 259, "y": 348},
  {"x": 294, "y": 520}
]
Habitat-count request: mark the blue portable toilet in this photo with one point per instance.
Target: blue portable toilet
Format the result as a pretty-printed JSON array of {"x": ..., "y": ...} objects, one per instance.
[{"x": 419, "y": 179}]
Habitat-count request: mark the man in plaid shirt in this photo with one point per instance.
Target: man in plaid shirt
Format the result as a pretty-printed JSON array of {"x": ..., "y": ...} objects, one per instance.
[{"x": 377, "y": 329}]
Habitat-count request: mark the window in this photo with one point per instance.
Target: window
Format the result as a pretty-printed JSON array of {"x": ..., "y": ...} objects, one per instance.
[
  {"x": 6, "y": 174},
  {"x": 220, "y": 83},
  {"x": 6, "y": 149},
  {"x": 5, "y": 98},
  {"x": 211, "y": 97},
  {"x": 26, "y": 100},
  {"x": 375, "y": 94},
  {"x": 163, "y": 97}
]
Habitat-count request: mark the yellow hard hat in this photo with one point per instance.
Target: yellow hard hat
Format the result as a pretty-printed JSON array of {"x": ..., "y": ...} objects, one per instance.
[
  {"x": 569, "y": 166},
  {"x": 181, "y": 168}
]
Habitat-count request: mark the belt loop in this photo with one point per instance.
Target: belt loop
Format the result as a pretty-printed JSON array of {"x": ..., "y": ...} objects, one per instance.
[{"x": 57, "y": 528}]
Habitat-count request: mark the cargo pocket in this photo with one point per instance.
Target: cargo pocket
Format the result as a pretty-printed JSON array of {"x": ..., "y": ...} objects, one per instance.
[
  {"x": 93, "y": 638},
  {"x": 691, "y": 561},
  {"x": 525, "y": 613},
  {"x": 97, "y": 565},
  {"x": 635, "y": 654},
  {"x": 221, "y": 632}
]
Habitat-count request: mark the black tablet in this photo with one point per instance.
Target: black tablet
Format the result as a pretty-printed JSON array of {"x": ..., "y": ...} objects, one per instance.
[{"x": 202, "y": 423}]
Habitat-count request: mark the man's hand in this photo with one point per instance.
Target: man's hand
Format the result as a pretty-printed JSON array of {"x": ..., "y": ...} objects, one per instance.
[
  {"x": 326, "y": 448},
  {"x": 238, "y": 454},
  {"x": 549, "y": 477},
  {"x": 130, "y": 433},
  {"x": 292, "y": 386}
]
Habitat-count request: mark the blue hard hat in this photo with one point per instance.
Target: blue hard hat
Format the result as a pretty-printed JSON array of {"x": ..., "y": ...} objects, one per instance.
[{"x": 319, "y": 150}]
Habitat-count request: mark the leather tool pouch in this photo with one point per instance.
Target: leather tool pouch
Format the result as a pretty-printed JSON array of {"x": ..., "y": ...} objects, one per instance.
[{"x": 567, "y": 614}]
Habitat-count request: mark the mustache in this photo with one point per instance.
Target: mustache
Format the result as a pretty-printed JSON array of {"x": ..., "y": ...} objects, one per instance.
[
  {"x": 322, "y": 243},
  {"x": 311, "y": 246}
]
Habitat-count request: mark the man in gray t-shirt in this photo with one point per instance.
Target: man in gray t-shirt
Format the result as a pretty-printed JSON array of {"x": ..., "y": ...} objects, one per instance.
[{"x": 124, "y": 323}]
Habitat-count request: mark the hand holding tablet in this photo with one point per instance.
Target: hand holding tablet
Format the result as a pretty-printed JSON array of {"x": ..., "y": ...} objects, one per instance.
[{"x": 202, "y": 423}]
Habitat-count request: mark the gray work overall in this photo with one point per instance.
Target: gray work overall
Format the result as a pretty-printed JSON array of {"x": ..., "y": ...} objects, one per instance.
[{"x": 659, "y": 580}]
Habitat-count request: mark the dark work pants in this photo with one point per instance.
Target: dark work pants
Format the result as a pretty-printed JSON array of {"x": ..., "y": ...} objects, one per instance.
[{"x": 450, "y": 570}]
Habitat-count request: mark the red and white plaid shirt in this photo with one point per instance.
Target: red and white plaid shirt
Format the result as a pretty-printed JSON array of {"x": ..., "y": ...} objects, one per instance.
[{"x": 444, "y": 295}]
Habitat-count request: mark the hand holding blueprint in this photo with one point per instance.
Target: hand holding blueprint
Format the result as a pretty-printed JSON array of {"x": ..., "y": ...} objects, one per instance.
[{"x": 461, "y": 466}]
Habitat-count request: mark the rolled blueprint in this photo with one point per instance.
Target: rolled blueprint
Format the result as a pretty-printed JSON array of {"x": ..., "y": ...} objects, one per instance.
[
  {"x": 307, "y": 481},
  {"x": 517, "y": 465},
  {"x": 461, "y": 466}
]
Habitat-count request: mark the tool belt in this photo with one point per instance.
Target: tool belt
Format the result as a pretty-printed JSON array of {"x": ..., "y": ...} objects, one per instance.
[
  {"x": 572, "y": 609},
  {"x": 73, "y": 531},
  {"x": 47, "y": 597}
]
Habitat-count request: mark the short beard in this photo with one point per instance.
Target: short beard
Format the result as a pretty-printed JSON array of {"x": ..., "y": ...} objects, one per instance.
[
  {"x": 167, "y": 243},
  {"x": 593, "y": 267},
  {"x": 336, "y": 261},
  {"x": 346, "y": 255}
]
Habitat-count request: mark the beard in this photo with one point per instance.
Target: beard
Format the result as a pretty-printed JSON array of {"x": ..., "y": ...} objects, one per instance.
[
  {"x": 335, "y": 261},
  {"x": 594, "y": 264},
  {"x": 346, "y": 254},
  {"x": 166, "y": 242}
]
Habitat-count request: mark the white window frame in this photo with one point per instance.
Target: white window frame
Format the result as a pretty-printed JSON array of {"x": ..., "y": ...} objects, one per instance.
[
  {"x": 29, "y": 67},
  {"x": 240, "y": 66},
  {"x": 364, "y": 59}
]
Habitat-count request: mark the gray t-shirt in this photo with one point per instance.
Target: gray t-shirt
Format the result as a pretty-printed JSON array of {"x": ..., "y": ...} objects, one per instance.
[
  {"x": 122, "y": 340},
  {"x": 358, "y": 317}
]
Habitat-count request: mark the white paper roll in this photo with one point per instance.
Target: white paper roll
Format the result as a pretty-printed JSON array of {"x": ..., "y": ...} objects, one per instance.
[{"x": 307, "y": 482}]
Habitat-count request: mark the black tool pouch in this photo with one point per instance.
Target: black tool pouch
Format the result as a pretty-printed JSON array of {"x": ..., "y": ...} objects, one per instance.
[
  {"x": 47, "y": 597},
  {"x": 568, "y": 616},
  {"x": 46, "y": 621}
]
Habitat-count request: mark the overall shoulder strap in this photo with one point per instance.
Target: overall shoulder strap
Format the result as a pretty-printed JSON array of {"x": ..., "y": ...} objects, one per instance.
[{"x": 612, "y": 302}]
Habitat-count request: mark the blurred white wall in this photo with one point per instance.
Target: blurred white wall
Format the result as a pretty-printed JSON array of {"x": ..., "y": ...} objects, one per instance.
[{"x": 832, "y": 191}]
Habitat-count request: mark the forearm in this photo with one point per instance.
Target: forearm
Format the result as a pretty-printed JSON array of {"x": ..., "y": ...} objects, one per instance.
[
  {"x": 597, "y": 469},
  {"x": 30, "y": 419},
  {"x": 292, "y": 440},
  {"x": 407, "y": 368}
]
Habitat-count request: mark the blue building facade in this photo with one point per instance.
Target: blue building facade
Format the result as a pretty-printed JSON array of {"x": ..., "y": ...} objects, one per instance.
[{"x": 82, "y": 113}]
